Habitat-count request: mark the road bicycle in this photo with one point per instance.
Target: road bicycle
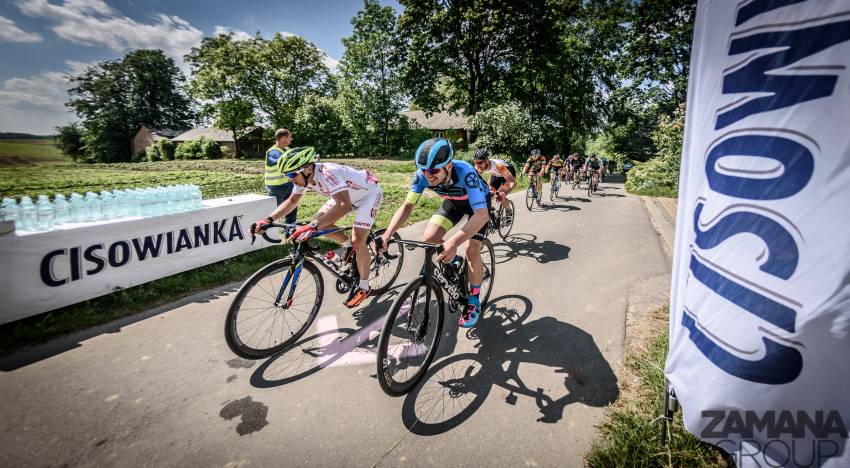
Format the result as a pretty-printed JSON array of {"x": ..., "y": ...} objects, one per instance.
[
  {"x": 555, "y": 186},
  {"x": 413, "y": 326},
  {"x": 577, "y": 178},
  {"x": 531, "y": 194},
  {"x": 278, "y": 303},
  {"x": 501, "y": 220},
  {"x": 592, "y": 182}
]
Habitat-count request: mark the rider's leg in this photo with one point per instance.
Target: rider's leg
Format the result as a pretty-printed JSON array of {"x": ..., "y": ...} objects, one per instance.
[
  {"x": 363, "y": 222},
  {"x": 336, "y": 236}
]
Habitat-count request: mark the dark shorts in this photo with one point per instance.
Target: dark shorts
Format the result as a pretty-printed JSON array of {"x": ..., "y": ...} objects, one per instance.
[
  {"x": 498, "y": 181},
  {"x": 452, "y": 211},
  {"x": 281, "y": 193}
]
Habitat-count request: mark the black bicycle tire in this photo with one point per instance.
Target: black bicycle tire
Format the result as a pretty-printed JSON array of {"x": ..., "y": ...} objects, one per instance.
[
  {"x": 230, "y": 334},
  {"x": 398, "y": 389},
  {"x": 505, "y": 234},
  {"x": 529, "y": 196},
  {"x": 385, "y": 288},
  {"x": 484, "y": 297}
]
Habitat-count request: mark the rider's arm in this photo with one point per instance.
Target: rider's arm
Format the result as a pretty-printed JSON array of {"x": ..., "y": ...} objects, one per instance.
[
  {"x": 342, "y": 207},
  {"x": 287, "y": 206},
  {"x": 417, "y": 186},
  {"x": 510, "y": 180}
]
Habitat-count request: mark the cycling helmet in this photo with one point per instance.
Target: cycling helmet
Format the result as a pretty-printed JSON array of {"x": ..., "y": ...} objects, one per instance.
[
  {"x": 481, "y": 154},
  {"x": 296, "y": 158},
  {"x": 535, "y": 152},
  {"x": 434, "y": 153}
]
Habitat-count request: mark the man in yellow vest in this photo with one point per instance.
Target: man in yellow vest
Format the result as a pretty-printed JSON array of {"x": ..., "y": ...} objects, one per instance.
[{"x": 277, "y": 184}]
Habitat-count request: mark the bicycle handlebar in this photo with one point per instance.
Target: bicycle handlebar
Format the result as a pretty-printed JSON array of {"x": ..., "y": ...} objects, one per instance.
[
  {"x": 287, "y": 231},
  {"x": 424, "y": 245}
]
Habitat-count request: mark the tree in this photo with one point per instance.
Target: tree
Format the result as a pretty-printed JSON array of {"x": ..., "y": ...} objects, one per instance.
[
  {"x": 215, "y": 80},
  {"x": 114, "y": 97},
  {"x": 466, "y": 45},
  {"x": 507, "y": 129},
  {"x": 318, "y": 123},
  {"x": 69, "y": 140},
  {"x": 370, "y": 88}
]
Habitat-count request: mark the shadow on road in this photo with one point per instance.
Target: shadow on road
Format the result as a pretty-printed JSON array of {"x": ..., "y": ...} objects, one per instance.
[
  {"x": 527, "y": 245},
  {"x": 22, "y": 358},
  {"x": 455, "y": 388}
]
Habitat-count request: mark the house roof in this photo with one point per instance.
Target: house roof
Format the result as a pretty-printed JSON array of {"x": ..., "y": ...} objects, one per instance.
[
  {"x": 160, "y": 133},
  {"x": 439, "y": 120},
  {"x": 214, "y": 134}
]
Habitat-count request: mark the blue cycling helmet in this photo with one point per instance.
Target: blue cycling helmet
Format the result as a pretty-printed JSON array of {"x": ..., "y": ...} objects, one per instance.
[{"x": 434, "y": 153}]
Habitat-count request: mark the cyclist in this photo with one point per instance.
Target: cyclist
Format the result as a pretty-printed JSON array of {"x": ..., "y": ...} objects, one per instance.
[
  {"x": 348, "y": 190},
  {"x": 574, "y": 163},
  {"x": 502, "y": 174},
  {"x": 536, "y": 166},
  {"x": 591, "y": 166},
  {"x": 464, "y": 193},
  {"x": 556, "y": 165}
]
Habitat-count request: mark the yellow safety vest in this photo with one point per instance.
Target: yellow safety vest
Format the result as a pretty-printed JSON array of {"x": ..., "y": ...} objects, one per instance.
[{"x": 273, "y": 175}]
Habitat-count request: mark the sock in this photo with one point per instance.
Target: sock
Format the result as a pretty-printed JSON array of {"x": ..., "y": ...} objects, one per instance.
[
  {"x": 474, "y": 292},
  {"x": 364, "y": 285}
]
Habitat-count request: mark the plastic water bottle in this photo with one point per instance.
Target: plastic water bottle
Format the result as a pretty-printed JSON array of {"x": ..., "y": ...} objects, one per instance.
[
  {"x": 148, "y": 201},
  {"x": 44, "y": 213},
  {"x": 28, "y": 214},
  {"x": 107, "y": 202},
  {"x": 197, "y": 197},
  {"x": 79, "y": 208},
  {"x": 95, "y": 207},
  {"x": 134, "y": 204},
  {"x": 11, "y": 212},
  {"x": 61, "y": 209}
]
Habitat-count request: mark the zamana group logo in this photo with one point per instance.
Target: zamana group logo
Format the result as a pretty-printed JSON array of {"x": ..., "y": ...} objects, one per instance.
[
  {"x": 80, "y": 262},
  {"x": 776, "y": 438}
]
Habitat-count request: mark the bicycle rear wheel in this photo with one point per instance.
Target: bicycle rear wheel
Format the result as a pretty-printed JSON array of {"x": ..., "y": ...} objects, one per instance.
[
  {"x": 410, "y": 337},
  {"x": 384, "y": 269},
  {"x": 255, "y": 327},
  {"x": 506, "y": 218}
]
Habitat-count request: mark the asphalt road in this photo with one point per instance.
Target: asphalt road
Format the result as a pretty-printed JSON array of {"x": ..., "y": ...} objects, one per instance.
[{"x": 525, "y": 388}]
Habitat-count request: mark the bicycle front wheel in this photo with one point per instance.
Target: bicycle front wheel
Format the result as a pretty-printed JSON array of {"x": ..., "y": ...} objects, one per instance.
[
  {"x": 530, "y": 195},
  {"x": 410, "y": 337},
  {"x": 255, "y": 327},
  {"x": 488, "y": 258},
  {"x": 506, "y": 220}
]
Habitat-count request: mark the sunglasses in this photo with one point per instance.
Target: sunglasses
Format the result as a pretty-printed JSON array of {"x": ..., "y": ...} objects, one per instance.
[
  {"x": 292, "y": 175},
  {"x": 432, "y": 171}
]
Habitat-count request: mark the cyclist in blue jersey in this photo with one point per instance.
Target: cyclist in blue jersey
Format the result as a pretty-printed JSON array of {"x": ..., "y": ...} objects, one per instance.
[{"x": 464, "y": 193}]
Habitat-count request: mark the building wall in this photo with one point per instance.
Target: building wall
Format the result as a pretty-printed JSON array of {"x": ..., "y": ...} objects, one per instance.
[{"x": 141, "y": 141}]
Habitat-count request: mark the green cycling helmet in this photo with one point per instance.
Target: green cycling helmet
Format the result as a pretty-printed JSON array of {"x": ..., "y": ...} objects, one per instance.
[{"x": 296, "y": 158}]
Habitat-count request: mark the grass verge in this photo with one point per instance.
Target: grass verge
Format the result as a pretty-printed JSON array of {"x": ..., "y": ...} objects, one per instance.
[{"x": 628, "y": 437}]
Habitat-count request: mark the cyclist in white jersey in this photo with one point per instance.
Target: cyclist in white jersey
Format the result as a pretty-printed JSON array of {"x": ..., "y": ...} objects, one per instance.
[
  {"x": 502, "y": 174},
  {"x": 348, "y": 189}
]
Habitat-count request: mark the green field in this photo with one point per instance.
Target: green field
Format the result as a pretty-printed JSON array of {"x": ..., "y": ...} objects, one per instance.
[{"x": 23, "y": 152}]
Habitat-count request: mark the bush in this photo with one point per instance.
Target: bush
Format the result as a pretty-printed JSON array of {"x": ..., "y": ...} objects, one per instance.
[
  {"x": 660, "y": 175},
  {"x": 152, "y": 153},
  {"x": 507, "y": 129},
  {"x": 201, "y": 148},
  {"x": 166, "y": 149}
]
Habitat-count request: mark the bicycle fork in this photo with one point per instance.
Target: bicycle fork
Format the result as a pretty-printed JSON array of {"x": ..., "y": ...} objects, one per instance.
[{"x": 293, "y": 273}]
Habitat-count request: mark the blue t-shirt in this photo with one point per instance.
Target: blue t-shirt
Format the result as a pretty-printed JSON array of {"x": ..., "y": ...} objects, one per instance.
[{"x": 465, "y": 184}]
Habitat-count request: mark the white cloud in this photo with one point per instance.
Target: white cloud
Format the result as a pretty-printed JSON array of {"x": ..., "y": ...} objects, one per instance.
[
  {"x": 329, "y": 61},
  {"x": 238, "y": 34},
  {"x": 93, "y": 22},
  {"x": 9, "y": 31},
  {"x": 36, "y": 104}
]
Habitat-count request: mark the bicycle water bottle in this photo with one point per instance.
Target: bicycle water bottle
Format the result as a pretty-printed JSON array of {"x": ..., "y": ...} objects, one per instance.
[
  {"x": 44, "y": 213},
  {"x": 62, "y": 209},
  {"x": 95, "y": 207},
  {"x": 28, "y": 214},
  {"x": 11, "y": 212},
  {"x": 197, "y": 197},
  {"x": 79, "y": 209},
  {"x": 108, "y": 204}
]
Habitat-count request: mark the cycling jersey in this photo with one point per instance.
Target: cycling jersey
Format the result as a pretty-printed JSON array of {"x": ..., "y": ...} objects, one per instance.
[
  {"x": 465, "y": 184},
  {"x": 591, "y": 163},
  {"x": 499, "y": 168},
  {"x": 575, "y": 163},
  {"x": 463, "y": 193},
  {"x": 536, "y": 164},
  {"x": 556, "y": 163},
  {"x": 362, "y": 186}
]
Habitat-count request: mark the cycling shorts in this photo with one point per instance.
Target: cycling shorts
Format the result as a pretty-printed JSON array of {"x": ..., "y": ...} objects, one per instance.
[
  {"x": 366, "y": 208},
  {"x": 498, "y": 181},
  {"x": 452, "y": 211}
]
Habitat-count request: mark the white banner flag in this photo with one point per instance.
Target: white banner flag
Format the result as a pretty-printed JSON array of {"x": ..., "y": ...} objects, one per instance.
[
  {"x": 46, "y": 270},
  {"x": 760, "y": 301}
]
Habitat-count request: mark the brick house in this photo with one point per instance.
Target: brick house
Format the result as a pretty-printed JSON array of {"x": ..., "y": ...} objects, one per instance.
[
  {"x": 449, "y": 125},
  {"x": 146, "y": 136}
]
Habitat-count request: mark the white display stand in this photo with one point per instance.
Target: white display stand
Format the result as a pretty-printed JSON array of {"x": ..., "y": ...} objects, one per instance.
[{"x": 42, "y": 271}]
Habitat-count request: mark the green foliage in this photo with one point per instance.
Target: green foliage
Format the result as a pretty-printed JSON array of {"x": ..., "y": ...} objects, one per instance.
[
  {"x": 114, "y": 97},
  {"x": 69, "y": 140},
  {"x": 371, "y": 92},
  {"x": 318, "y": 123},
  {"x": 660, "y": 175},
  {"x": 507, "y": 129},
  {"x": 201, "y": 148}
]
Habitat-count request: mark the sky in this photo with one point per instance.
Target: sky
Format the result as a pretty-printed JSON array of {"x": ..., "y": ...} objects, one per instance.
[{"x": 44, "y": 41}]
